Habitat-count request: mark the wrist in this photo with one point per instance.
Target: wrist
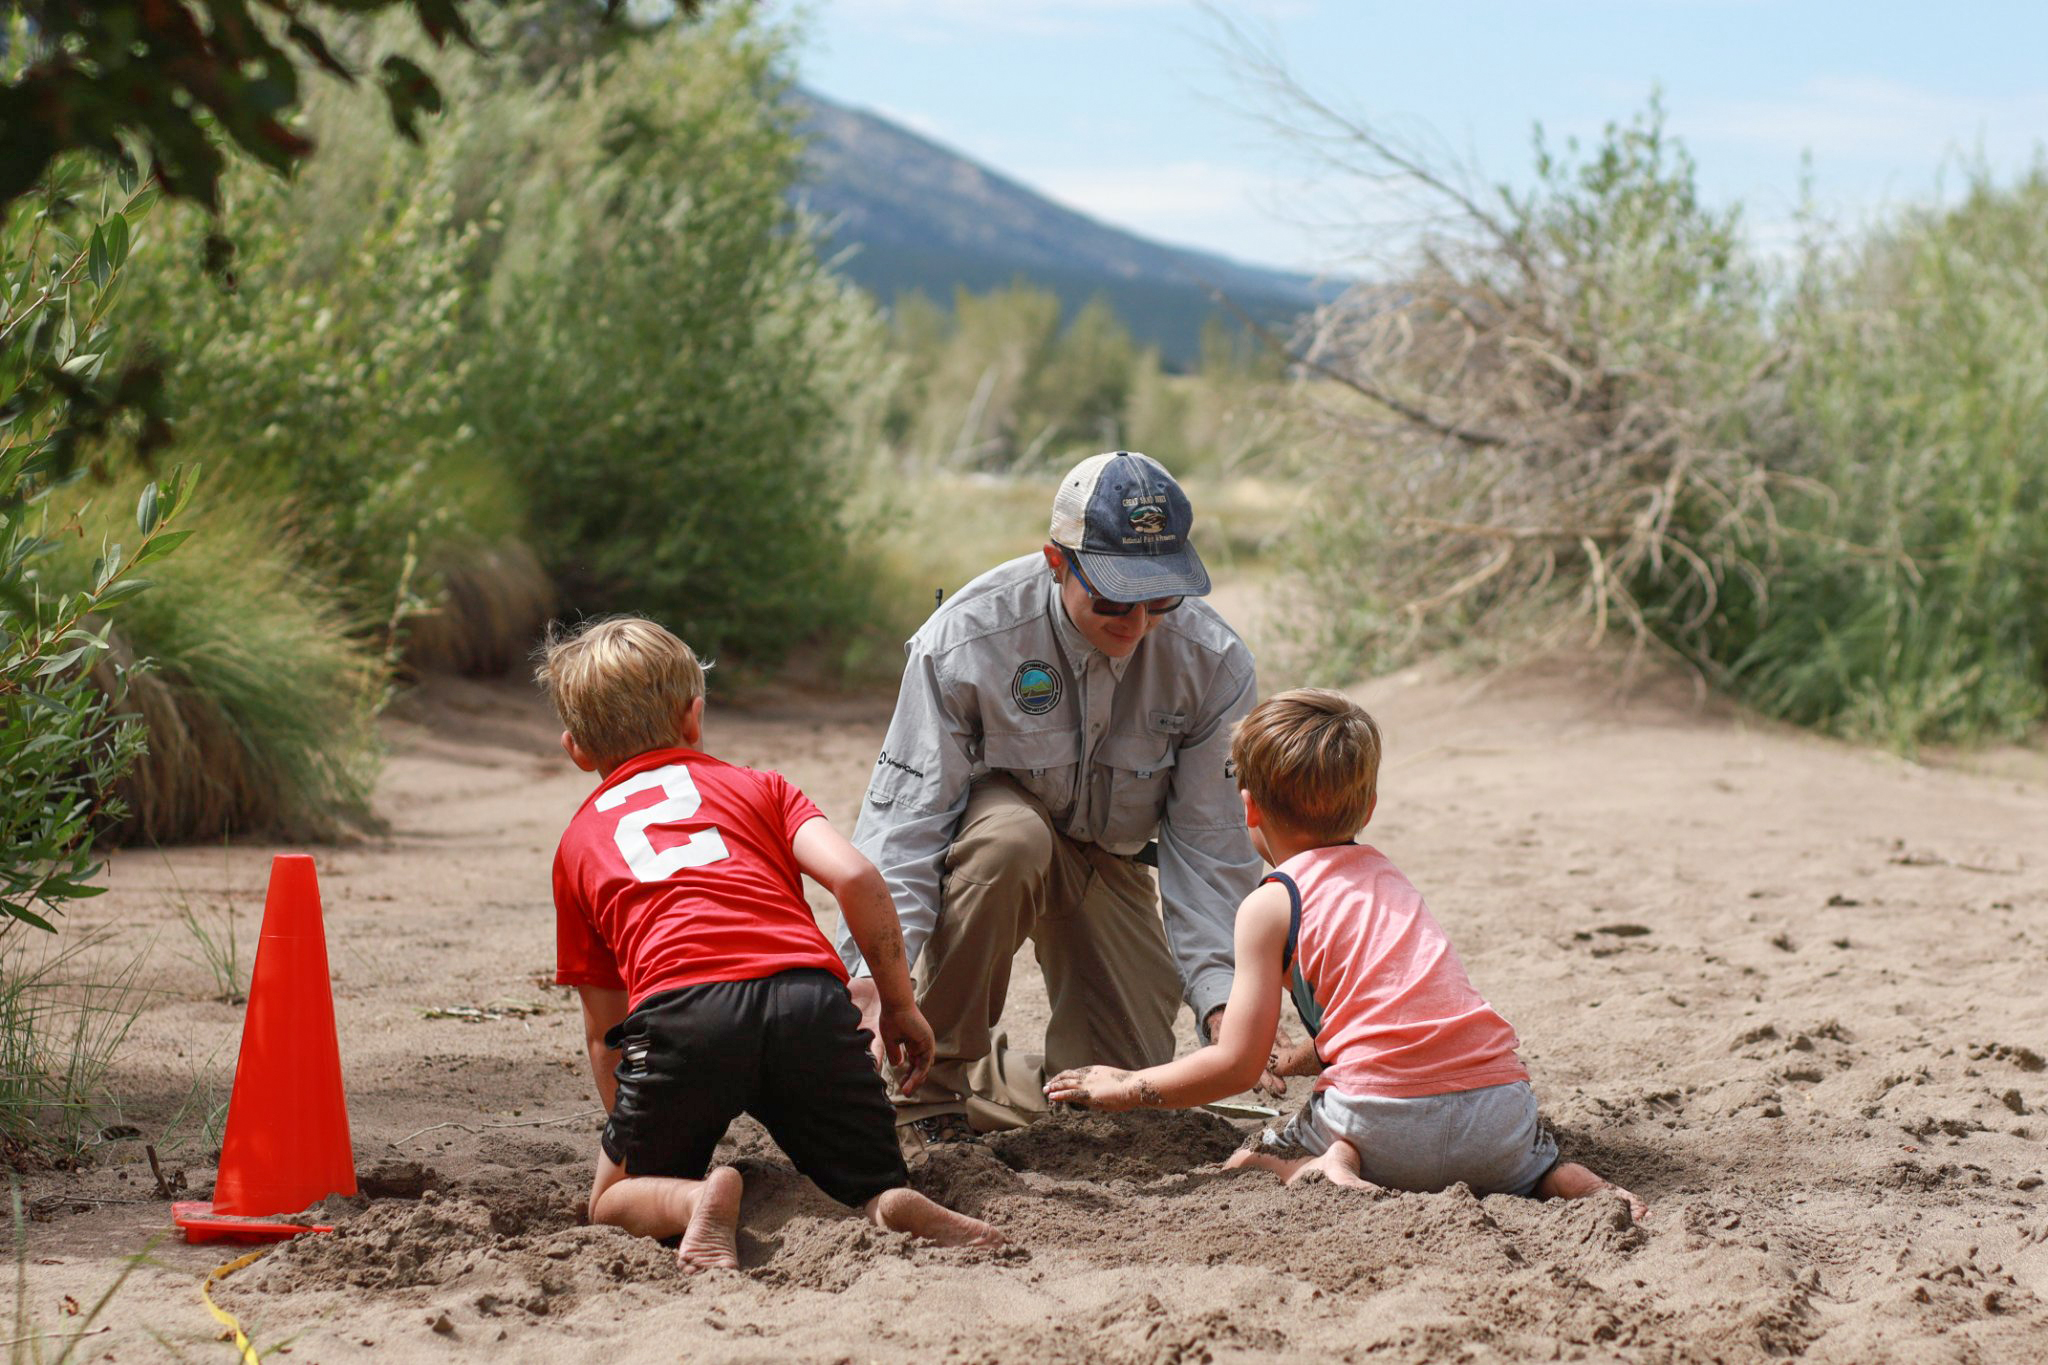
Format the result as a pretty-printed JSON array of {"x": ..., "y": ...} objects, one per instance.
[{"x": 894, "y": 989}]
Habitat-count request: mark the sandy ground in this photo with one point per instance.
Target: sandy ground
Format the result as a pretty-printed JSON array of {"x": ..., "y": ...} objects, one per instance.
[{"x": 1792, "y": 992}]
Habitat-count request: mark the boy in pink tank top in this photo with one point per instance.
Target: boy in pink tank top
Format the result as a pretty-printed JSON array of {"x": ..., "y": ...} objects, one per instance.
[{"x": 1418, "y": 1086}]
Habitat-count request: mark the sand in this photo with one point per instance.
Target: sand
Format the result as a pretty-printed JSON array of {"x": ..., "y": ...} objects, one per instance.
[{"x": 1791, "y": 991}]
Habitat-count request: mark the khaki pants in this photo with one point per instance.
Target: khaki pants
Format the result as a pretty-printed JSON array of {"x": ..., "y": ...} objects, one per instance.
[{"x": 1094, "y": 919}]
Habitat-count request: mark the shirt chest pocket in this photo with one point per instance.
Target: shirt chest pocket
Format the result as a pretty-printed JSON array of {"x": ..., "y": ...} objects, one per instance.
[
  {"x": 1042, "y": 762},
  {"x": 1139, "y": 768}
]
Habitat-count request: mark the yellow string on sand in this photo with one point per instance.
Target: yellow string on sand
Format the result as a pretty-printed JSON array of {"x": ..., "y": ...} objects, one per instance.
[{"x": 221, "y": 1315}]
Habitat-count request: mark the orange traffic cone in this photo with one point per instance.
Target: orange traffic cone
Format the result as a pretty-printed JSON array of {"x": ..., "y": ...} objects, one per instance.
[{"x": 286, "y": 1145}]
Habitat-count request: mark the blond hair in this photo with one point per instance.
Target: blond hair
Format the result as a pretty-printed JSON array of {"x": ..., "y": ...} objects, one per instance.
[
  {"x": 620, "y": 685},
  {"x": 1311, "y": 759}
]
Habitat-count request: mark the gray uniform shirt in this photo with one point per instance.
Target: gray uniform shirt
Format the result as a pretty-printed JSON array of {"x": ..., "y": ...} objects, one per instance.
[{"x": 1118, "y": 751}]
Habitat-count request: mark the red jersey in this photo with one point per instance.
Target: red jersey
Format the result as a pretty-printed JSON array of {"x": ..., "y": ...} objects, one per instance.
[{"x": 678, "y": 870}]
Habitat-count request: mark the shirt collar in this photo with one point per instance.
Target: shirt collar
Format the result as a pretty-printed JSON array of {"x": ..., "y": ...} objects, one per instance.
[{"x": 1074, "y": 644}]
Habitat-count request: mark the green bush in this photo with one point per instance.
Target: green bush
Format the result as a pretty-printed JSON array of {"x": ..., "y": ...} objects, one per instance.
[
  {"x": 62, "y": 253},
  {"x": 662, "y": 360},
  {"x": 1910, "y": 597},
  {"x": 325, "y": 376}
]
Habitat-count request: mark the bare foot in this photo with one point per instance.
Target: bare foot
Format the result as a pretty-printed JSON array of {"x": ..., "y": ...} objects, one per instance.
[
  {"x": 1287, "y": 1168},
  {"x": 710, "y": 1242},
  {"x": 1570, "y": 1180},
  {"x": 1335, "y": 1168},
  {"x": 905, "y": 1210}
]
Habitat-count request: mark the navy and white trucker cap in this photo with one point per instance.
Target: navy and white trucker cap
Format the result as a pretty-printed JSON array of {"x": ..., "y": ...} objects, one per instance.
[{"x": 1127, "y": 521}]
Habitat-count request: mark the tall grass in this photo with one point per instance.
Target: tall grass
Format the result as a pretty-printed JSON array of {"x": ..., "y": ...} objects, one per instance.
[
  {"x": 1910, "y": 598},
  {"x": 256, "y": 700},
  {"x": 65, "y": 1010}
]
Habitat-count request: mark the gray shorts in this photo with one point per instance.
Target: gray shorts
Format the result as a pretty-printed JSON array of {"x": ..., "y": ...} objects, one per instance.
[{"x": 1490, "y": 1138}]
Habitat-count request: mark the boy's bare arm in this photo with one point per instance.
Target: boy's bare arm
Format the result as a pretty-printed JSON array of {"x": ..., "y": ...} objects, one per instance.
[
  {"x": 1234, "y": 1061},
  {"x": 827, "y": 857},
  {"x": 603, "y": 1009}
]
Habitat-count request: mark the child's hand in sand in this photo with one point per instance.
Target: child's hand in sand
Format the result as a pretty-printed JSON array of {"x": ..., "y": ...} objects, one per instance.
[
  {"x": 907, "y": 1040},
  {"x": 1296, "y": 1059},
  {"x": 1100, "y": 1087}
]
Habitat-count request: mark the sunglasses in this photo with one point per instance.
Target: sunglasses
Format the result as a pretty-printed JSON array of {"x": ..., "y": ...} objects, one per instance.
[{"x": 1102, "y": 606}]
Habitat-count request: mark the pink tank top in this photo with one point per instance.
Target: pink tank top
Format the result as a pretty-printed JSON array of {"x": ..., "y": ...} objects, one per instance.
[{"x": 1380, "y": 988}]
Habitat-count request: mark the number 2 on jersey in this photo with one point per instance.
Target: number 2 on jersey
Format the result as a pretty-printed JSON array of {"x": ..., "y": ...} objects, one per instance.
[{"x": 680, "y": 803}]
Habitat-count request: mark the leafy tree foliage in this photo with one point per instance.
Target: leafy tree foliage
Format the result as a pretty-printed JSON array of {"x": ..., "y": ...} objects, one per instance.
[
  {"x": 172, "y": 79},
  {"x": 62, "y": 254}
]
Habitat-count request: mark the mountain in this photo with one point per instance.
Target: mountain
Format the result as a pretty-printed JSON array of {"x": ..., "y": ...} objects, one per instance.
[{"x": 919, "y": 216}]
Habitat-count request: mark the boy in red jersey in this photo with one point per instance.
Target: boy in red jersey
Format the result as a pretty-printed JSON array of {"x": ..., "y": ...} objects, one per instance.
[
  {"x": 1418, "y": 1083},
  {"x": 707, "y": 987}
]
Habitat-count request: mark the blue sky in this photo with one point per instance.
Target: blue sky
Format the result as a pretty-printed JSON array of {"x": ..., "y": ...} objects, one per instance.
[{"x": 1126, "y": 110}]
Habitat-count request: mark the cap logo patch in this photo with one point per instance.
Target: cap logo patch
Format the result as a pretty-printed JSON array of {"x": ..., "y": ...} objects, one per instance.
[
  {"x": 1148, "y": 520},
  {"x": 1037, "y": 687}
]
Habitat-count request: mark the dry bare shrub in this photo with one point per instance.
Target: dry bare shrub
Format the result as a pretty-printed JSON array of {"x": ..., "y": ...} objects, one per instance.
[{"x": 1558, "y": 399}]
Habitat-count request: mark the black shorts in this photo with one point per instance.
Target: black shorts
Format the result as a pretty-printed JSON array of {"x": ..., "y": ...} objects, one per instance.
[{"x": 788, "y": 1049}]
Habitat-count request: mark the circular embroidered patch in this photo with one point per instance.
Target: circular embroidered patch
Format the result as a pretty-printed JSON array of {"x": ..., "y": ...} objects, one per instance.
[{"x": 1036, "y": 688}]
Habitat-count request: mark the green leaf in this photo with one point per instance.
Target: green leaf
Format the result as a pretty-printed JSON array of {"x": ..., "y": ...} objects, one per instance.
[
  {"x": 109, "y": 565},
  {"x": 117, "y": 240},
  {"x": 409, "y": 92},
  {"x": 63, "y": 661},
  {"x": 160, "y": 545},
  {"x": 98, "y": 265},
  {"x": 27, "y": 916},
  {"x": 145, "y": 510},
  {"x": 315, "y": 46},
  {"x": 122, "y": 591},
  {"x": 70, "y": 890}
]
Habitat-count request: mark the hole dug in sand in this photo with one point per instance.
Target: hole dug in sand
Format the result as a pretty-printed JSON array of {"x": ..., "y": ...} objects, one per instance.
[{"x": 1141, "y": 1146}]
